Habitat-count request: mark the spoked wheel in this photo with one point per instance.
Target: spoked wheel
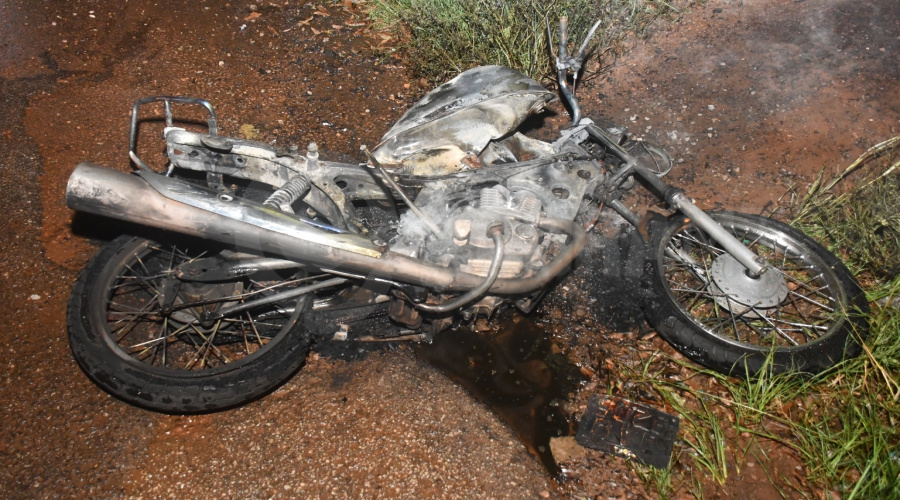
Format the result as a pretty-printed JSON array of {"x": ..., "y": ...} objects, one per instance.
[
  {"x": 173, "y": 345},
  {"x": 807, "y": 310}
]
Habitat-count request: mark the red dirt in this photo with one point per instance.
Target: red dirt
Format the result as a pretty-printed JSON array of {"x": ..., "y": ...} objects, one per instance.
[
  {"x": 750, "y": 97},
  {"x": 757, "y": 97}
]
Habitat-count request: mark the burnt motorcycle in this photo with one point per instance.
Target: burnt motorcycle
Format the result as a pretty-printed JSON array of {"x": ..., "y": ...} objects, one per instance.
[{"x": 455, "y": 214}]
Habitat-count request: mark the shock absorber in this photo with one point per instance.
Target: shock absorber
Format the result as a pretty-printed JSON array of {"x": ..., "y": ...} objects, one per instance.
[{"x": 292, "y": 190}]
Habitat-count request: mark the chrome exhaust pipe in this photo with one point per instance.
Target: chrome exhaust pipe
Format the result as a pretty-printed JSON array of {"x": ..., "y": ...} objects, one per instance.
[{"x": 166, "y": 203}]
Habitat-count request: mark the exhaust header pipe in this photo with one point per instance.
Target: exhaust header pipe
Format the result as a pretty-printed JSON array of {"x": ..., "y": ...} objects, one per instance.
[{"x": 166, "y": 203}]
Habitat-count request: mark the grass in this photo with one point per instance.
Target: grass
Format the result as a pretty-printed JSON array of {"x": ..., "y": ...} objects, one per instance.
[
  {"x": 444, "y": 37},
  {"x": 864, "y": 221},
  {"x": 844, "y": 425},
  {"x": 849, "y": 438}
]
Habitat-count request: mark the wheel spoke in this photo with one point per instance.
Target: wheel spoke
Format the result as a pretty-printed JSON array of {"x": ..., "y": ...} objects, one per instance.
[
  {"x": 737, "y": 333},
  {"x": 142, "y": 282},
  {"x": 234, "y": 298},
  {"x": 201, "y": 349},
  {"x": 702, "y": 244},
  {"x": 778, "y": 330},
  {"x": 803, "y": 326},
  {"x": 802, "y": 314},
  {"x": 255, "y": 332},
  {"x": 175, "y": 339},
  {"x": 816, "y": 303}
]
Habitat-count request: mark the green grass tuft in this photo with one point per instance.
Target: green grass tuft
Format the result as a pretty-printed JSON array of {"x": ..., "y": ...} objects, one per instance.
[
  {"x": 444, "y": 37},
  {"x": 843, "y": 424}
]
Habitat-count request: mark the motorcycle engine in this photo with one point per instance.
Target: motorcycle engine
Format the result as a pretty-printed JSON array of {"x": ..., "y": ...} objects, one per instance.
[
  {"x": 466, "y": 211},
  {"x": 518, "y": 212},
  {"x": 465, "y": 245},
  {"x": 464, "y": 242}
]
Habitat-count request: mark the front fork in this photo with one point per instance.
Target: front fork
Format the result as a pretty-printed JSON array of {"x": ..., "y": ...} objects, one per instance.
[{"x": 676, "y": 200}]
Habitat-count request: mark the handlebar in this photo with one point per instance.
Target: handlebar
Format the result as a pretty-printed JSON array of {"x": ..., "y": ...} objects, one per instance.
[{"x": 566, "y": 63}]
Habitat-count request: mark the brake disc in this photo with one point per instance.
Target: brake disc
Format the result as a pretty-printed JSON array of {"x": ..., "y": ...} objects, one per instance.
[{"x": 742, "y": 294}]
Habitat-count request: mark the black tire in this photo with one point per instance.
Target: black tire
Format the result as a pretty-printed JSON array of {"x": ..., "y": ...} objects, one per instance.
[
  {"x": 116, "y": 323},
  {"x": 810, "y": 313}
]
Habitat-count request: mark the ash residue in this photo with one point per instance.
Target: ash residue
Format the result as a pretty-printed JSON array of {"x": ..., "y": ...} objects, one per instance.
[{"x": 606, "y": 282}]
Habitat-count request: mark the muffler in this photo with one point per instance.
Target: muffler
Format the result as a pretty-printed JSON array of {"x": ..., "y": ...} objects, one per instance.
[{"x": 162, "y": 202}]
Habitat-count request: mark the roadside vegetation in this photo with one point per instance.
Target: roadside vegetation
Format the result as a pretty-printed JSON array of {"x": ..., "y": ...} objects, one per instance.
[
  {"x": 843, "y": 425},
  {"x": 445, "y": 37}
]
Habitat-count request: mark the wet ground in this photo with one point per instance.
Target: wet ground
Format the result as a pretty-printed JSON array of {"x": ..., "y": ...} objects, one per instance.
[{"x": 750, "y": 97}]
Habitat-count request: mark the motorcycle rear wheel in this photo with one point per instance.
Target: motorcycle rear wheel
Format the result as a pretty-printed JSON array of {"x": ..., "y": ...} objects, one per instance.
[
  {"x": 172, "y": 360},
  {"x": 807, "y": 311}
]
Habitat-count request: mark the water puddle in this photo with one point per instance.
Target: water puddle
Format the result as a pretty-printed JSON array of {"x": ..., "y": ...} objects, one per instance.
[{"x": 518, "y": 373}]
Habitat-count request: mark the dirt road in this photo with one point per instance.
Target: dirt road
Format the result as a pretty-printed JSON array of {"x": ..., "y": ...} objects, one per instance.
[{"x": 750, "y": 97}]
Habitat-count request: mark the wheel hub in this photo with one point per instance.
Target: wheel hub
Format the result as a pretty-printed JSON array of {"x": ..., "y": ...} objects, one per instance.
[
  {"x": 210, "y": 293},
  {"x": 739, "y": 291}
]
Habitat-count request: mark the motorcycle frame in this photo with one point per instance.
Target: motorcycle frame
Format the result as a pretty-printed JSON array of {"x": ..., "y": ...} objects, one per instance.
[
  {"x": 356, "y": 182},
  {"x": 334, "y": 187}
]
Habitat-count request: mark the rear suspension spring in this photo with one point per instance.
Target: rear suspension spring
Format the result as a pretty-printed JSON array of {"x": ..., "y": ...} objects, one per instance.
[{"x": 293, "y": 190}]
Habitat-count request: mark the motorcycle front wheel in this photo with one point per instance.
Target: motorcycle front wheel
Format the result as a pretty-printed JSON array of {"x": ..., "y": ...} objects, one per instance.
[
  {"x": 805, "y": 313},
  {"x": 159, "y": 343}
]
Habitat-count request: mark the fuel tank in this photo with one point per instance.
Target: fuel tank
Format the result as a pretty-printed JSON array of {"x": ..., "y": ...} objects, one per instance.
[{"x": 460, "y": 118}]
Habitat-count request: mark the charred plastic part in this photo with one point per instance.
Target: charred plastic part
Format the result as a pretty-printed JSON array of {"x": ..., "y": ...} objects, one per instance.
[
  {"x": 628, "y": 429},
  {"x": 110, "y": 193}
]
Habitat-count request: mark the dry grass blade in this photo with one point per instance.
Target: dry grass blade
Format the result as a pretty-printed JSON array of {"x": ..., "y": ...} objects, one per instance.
[
  {"x": 863, "y": 222},
  {"x": 886, "y": 147}
]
